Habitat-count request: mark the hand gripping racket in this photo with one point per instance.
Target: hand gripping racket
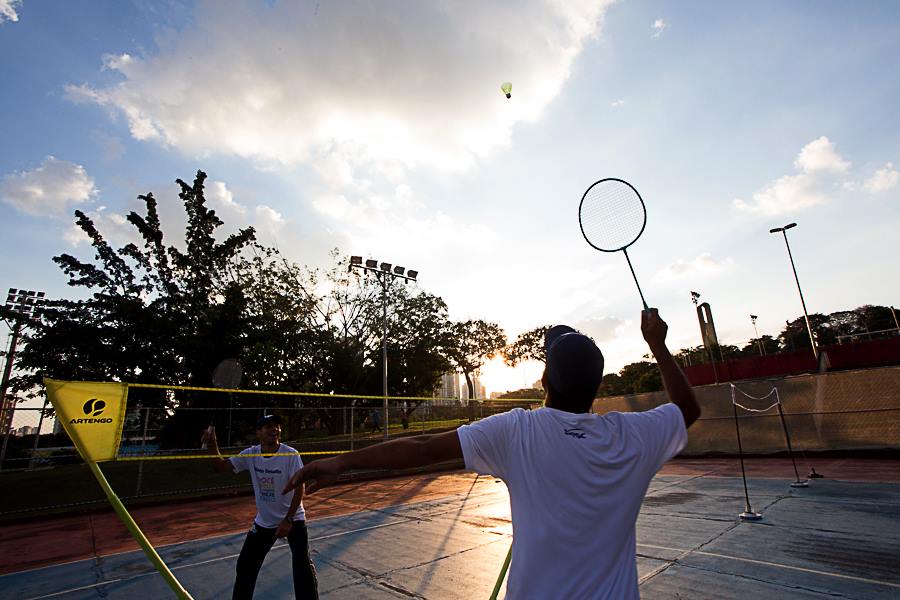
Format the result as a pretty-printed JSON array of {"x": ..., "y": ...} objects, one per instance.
[{"x": 612, "y": 217}]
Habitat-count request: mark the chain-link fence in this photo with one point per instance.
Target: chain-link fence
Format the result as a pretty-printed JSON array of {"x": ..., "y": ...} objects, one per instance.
[
  {"x": 160, "y": 455},
  {"x": 849, "y": 410}
]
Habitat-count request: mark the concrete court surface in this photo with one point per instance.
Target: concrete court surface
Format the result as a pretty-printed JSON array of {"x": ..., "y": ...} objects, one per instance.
[{"x": 835, "y": 539}]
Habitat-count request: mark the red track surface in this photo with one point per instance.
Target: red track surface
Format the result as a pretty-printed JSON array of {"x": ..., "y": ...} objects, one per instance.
[{"x": 63, "y": 539}]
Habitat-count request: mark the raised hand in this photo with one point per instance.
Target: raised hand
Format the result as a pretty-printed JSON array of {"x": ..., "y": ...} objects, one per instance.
[{"x": 653, "y": 328}]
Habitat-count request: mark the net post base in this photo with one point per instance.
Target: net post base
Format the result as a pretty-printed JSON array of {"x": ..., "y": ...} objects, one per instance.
[
  {"x": 799, "y": 484},
  {"x": 749, "y": 515}
]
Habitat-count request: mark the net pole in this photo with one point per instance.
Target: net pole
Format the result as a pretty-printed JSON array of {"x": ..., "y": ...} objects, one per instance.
[
  {"x": 635, "y": 279},
  {"x": 748, "y": 514},
  {"x": 737, "y": 428},
  {"x": 502, "y": 574},
  {"x": 787, "y": 438},
  {"x": 137, "y": 534},
  {"x": 140, "y": 476}
]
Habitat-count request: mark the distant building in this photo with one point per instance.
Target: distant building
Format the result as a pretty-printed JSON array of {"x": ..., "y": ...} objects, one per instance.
[
  {"x": 480, "y": 390},
  {"x": 449, "y": 386}
]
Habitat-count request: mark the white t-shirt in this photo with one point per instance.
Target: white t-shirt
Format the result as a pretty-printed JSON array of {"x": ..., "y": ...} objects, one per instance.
[
  {"x": 269, "y": 475},
  {"x": 576, "y": 483}
]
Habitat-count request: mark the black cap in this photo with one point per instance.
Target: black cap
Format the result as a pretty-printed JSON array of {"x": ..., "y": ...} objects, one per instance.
[
  {"x": 574, "y": 362},
  {"x": 266, "y": 419}
]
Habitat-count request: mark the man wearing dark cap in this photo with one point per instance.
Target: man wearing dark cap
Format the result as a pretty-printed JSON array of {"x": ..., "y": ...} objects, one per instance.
[
  {"x": 278, "y": 515},
  {"x": 576, "y": 480}
]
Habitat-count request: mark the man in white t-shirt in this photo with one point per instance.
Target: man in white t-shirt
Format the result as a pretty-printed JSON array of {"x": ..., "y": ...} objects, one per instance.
[
  {"x": 576, "y": 480},
  {"x": 278, "y": 515}
]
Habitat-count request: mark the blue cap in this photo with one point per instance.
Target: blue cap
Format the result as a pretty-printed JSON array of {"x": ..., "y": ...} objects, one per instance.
[
  {"x": 266, "y": 419},
  {"x": 574, "y": 362}
]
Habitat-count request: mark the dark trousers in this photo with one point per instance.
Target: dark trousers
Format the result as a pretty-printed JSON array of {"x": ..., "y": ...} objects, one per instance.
[{"x": 257, "y": 544}]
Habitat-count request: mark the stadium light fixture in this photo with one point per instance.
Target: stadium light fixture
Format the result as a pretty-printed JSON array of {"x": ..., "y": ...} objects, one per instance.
[
  {"x": 399, "y": 270},
  {"x": 412, "y": 274},
  {"x": 783, "y": 232},
  {"x": 371, "y": 263},
  {"x": 386, "y": 266}
]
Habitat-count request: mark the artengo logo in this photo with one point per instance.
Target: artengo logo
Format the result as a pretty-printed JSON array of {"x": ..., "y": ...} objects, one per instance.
[{"x": 93, "y": 408}]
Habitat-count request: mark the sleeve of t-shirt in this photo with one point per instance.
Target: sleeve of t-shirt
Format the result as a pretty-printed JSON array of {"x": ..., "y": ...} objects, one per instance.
[
  {"x": 660, "y": 432},
  {"x": 240, "y": 462},
  {"x": 485, "y": 443}
]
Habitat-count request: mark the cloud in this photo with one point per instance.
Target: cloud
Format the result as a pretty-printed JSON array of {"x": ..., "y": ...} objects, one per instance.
[
  {"x": 49, "y": 189},
  {"x": 269, "y": 222},
  {"x": 883, "y": 180},
  {"x": 282, "y": 85},
  {"x": 617, "y": 103},
  {"x": 820, "y": 156},
  {"x": 791, "y": 193},
  {"x": 600, "y": 329},
  {"x": 702, "y": 264},
  {"x": 114, "y": 228},
  {"x": 659, "y": 25},
  {"x": 222, "y": 201},
  {"x": 8, "y": 10},
  {"x": 786, "y": 194}
]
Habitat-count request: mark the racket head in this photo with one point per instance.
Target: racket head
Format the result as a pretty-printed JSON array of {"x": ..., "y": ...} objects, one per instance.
[
  {"x": 228, "y": 374},
  {"x": 611, "y": 215}
]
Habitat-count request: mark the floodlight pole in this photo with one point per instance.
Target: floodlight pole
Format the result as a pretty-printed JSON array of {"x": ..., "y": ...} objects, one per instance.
[
  {"x": 756, "y": 331},
  {"x": 385, "y": 277},
  {"x": 783, "y": 231},
  {"x": 8, "y": 407},
  {"x": 21, "y": 306},
  {"x": 384, "y": 333}
]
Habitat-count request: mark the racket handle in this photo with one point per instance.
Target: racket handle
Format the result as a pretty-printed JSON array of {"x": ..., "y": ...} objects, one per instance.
[{"x": 635, "y": 280}]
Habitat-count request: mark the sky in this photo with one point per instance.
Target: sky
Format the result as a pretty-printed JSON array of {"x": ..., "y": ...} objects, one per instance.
[{"x": 379, "y": 128}]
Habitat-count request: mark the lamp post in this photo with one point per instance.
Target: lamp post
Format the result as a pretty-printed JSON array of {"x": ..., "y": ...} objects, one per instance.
[
  {"x": 756, "y": 331},
  {"x": 385, "y": 273},
  {"x": 783, "y": 231},
  {"x": 21, "y": 307}
]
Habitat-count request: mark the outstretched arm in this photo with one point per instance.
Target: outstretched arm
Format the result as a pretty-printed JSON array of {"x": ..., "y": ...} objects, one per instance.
[
  {"x": 402, "y": 453},
  {"x": 677, "y": 387}
]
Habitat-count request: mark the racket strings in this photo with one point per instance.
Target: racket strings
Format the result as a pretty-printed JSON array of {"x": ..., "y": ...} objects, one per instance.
[{"x": 612, "y": 215}]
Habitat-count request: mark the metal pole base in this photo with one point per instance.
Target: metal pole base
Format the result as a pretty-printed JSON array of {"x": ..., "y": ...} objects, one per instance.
[
  {"x": 813, "y": 474},
  {"x": 799, "y": 484},
  {"x": 750, "y": 516}
]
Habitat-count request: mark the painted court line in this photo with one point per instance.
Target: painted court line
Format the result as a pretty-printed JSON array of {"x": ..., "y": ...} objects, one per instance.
[
  {"x": 683, "y": 553},
  {"x": 280, "y": 546}
]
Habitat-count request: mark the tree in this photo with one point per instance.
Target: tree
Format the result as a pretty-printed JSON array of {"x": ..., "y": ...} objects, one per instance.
[
  {"x": 472, "y": 342},
  {"x": 634, "y": 378},
  {"x": 528, "y": 346},
  {"x": 768, "y": 343},
  {"x": 156, "y": 314}
]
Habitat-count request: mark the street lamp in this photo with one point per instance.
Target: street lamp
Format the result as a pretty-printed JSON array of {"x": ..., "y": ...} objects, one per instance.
[
  {"x": 22, "y": 307},
  {"x": 783, "y": 231},
  {"x": 385, "y": 273},
  {"x": 756, "y": 331}
]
